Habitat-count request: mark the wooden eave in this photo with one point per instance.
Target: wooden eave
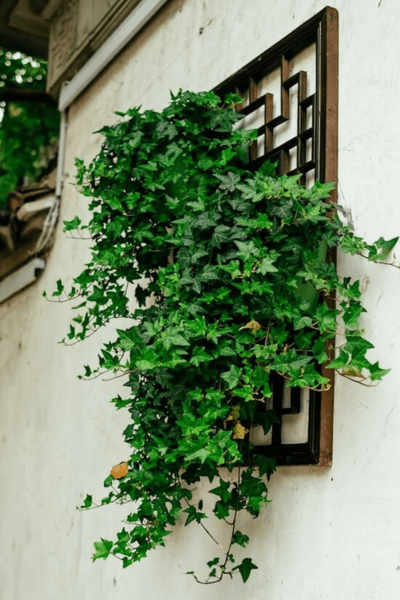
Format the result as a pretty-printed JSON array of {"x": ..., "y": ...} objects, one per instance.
[{"x": 23, "y": 30}]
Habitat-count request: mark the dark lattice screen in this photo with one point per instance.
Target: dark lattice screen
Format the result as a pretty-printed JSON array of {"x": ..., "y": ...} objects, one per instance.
[{"x": 290, "y": 96}]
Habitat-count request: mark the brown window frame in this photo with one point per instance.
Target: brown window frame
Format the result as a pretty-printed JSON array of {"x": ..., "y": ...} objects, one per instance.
[{"x": 321, "y": 30}]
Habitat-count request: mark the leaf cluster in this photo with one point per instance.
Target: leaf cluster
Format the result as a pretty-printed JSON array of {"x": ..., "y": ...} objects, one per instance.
[
  {"x": 234, "y": 287},
  {"x": 27, "y": 127}
]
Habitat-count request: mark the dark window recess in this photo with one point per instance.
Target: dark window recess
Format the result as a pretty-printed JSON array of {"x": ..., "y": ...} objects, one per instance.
[{"x": 290, "y": 96}]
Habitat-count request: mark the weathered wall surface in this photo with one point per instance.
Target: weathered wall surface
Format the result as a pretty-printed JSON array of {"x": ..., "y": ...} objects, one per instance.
[
  {"x": 329, "y": 533},
  {"x": 78, "y": 28}
]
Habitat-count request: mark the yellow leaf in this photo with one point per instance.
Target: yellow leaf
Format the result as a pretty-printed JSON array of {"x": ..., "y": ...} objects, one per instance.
[
  {"x": 239, "y": 431},
  {"x": 120, "y": 470},
  {"x": 253, "y": 325},
  {"x": 235, "y": 412},
  {"x": 352, "y": 371}
]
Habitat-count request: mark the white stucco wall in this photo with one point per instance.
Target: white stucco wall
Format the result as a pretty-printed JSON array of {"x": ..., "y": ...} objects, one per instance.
[{"x": 329, "y": 533}]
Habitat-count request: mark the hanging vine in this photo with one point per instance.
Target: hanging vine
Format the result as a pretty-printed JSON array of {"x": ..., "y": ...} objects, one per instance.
[{"x": 232, "y": 284}]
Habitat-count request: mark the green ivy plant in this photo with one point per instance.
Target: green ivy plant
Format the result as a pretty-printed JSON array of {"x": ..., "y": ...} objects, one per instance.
[{"x": 233, "y": 285}]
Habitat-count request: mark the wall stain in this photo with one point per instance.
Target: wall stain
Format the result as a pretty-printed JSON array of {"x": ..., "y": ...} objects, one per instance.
[
  {"x": 364, "y": 283},
  {"x": 205, "y": 26}
]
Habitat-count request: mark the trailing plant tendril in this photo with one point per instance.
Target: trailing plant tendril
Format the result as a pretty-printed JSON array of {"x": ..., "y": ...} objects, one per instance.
[{"x": 234, "y": 287}]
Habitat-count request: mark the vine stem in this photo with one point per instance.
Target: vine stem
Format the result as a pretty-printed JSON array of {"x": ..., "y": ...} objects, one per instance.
[
  {"x": 227, "y": 554},
  {"x": 306, "y": 387},
  {"x": 205, "y": 528},
  {"x": 368, "y": 385},
  {"x": 121, "y": 375},
  {"x": 380, "y": 262}
]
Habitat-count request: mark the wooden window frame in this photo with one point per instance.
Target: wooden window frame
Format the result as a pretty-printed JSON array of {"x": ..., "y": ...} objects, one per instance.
[{"x": 321, "y": 30}]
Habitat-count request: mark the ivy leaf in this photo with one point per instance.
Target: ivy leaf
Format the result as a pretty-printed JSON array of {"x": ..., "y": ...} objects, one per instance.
[
  {"x": 193, "y": 515},
  {"x": 148, "y": 362},
  {"x": 198, "y": 205},
  {"x": 352, "y": 314},
  {"x": 266, "y": 466},
  {"x": 150, "y": 330},
  {"x": 358, "y": 344},
  {"x": 199, "y": 356},
  {"x": 267, "y": 266},
  {"x": 185, "y": 257},
  {"x": 254, "y": 326},
  {"x": 197, "y": 285},
  {"x": 128, "y": 339},
  {"x": 102, "y": 548},
  {"x": 224, "y": 349},
  {"x": 233, "y": 268},
  {"x": 223, "y": 120},
  {"x": 222, "y": 490},
  {"x": 266, "y": 420},
  {"x": 213, "y": 562},
  {"x": 239, "y": 432},
  {"x": 197, "y": 255},
  {"x": 376, "y": 373},
  {"x": 232, "y": 376},
  {"x": 174, "y": 339},
  {"x": 245, "y": 568},
  {"x": 260, "y": 377},
  {"x": 247, "y": 250},
  {"x": 326, "y": 318},
  {"x": 340, "y": 361},
  {"x": 319, "y": 351},
  {"x": 88, "y": 501},
  {"x": 108, "y": 481},
  {"x": 240, "y": 538},
  {"x": 282, "y": 210},
  {"x": 71, "y": 225},
  {"x": 60, "y": 288},
  {"x": 301, "y": 322},
  {"x": 201, "y": 454},
  {"x": 205, "y": 163},
  {"x": 289, "y": 361},
  {"x": 352, "y": 244},
  {"x": 251, "y": 191},
  {"x": 205, "y": 220},
  {"x": 123, "y": 536},
  {"x": 221, "y": 234},
  {"x": 221, "y": 510},
  {"x": 229, "y": 181},
  {"x": 383, "y": 249},
  {"x": 209, "y": 273}
]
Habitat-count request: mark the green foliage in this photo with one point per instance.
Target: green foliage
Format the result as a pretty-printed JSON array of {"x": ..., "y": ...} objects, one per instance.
[
  {"x": 27, "y": 127},
  {"x": 233, "y": 284}
]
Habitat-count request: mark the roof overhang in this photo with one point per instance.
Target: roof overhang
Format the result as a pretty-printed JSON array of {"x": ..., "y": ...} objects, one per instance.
[{"x": 25, "y": 25}]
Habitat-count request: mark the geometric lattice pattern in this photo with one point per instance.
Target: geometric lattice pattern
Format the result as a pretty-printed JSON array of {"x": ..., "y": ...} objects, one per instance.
[
  {"x": 305, "y": 132},
  {"x": 290, "y": 97}
]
